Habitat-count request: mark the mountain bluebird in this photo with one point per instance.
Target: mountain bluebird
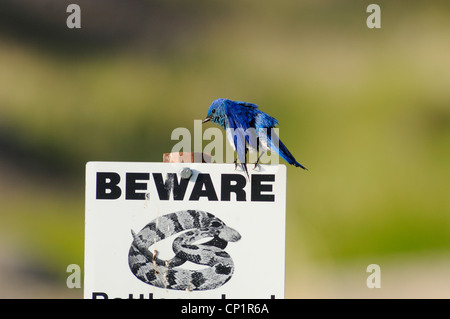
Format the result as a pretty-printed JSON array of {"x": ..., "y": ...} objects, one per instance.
[{"x": 248, "y": 128}]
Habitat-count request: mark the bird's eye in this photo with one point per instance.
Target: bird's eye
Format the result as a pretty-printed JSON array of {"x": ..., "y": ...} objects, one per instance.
[{"x": 213, "y": 111}]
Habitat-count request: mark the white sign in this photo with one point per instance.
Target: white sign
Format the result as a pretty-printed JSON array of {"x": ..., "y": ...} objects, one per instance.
[{"x": 184, "y": 230}]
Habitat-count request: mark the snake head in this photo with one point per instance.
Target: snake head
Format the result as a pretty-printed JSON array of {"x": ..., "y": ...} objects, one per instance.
[
  {"x": 229, "y": 234},
  {"x": 222, "y": 231}
]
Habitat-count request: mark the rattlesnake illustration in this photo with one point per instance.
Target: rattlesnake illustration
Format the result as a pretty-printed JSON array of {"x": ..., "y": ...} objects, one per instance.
[{"x": 147, "y": 267}]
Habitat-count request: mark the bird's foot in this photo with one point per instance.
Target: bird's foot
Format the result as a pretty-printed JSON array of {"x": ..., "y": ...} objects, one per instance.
[{"x": 257, "y": 161}]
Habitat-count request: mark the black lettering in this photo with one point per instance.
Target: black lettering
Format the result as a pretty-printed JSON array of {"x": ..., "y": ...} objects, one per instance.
[
  {"x": 198, "y": 191},
  {"x": 258, "y": 188},
  {"x": 237, "y": 188},
  {"x": 132, "y": 186},
  {"x": 95, "y": 295},
  {"x": 171, "y": 184},
  {"x": 107, "y": 185}
]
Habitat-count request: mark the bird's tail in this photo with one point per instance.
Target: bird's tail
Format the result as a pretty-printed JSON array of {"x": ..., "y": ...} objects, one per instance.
[{"x": 287, "y": 156}]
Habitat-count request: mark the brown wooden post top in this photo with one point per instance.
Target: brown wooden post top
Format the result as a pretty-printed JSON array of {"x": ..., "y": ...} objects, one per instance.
[{"x": 186, "y": 157}]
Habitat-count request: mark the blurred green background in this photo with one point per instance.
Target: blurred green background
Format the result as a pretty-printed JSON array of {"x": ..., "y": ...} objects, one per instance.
[{"x": 366, "y": 110}]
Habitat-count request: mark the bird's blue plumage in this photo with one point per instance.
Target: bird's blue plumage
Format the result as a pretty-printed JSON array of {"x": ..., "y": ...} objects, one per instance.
[{"x": 245, "y": 124}]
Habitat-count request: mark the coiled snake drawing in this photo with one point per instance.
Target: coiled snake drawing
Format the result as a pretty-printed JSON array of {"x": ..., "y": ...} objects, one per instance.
[{"x": 147, "y": 267}]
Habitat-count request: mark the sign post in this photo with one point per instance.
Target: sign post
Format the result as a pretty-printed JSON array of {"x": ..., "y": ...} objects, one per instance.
[{"x": 184, "y": 230}]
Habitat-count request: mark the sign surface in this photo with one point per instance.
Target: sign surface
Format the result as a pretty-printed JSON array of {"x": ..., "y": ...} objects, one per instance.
[{"x": 184, "y": 230}]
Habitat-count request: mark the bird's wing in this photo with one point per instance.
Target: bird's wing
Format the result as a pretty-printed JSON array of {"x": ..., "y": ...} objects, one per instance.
[
  {"x": 246, "y": 104},
  {"x": 241, "y": 119}
]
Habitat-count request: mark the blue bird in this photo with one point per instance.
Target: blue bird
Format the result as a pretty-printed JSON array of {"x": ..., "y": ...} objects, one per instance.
[{"x": 248, "y": 128}]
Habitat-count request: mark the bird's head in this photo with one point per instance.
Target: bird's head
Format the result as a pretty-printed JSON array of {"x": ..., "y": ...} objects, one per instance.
[{"x": 216, "y": 112}]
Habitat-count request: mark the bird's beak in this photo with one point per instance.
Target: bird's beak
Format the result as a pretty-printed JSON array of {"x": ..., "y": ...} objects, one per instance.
[{"x": 206, "y": 120}]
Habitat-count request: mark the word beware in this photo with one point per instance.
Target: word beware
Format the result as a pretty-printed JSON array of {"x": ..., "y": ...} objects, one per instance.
[{"x": 137, "y": 186}]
